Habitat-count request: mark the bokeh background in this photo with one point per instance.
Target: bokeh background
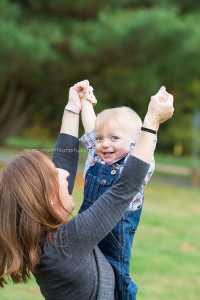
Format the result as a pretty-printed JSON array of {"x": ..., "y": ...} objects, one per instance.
[{"x": 127, "y": 49}]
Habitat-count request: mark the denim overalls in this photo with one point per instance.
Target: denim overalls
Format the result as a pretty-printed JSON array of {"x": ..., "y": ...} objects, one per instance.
[{"x": 116, "y": 246}]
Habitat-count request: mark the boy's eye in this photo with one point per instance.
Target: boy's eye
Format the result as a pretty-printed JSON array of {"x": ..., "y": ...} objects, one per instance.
[
  {"x": 98, "y": 138},
  {"x": 115, "y": 138}
]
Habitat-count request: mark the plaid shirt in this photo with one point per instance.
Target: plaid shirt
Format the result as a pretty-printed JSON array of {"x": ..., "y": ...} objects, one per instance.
[{"x": 88, "y": 141}]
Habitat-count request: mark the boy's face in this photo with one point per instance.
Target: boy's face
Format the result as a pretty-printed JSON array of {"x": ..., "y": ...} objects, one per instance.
[{"x": 114, "y": 141}]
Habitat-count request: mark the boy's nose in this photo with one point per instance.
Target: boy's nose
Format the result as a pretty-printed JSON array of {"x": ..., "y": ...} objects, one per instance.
[{"x": 105, "y": 143}]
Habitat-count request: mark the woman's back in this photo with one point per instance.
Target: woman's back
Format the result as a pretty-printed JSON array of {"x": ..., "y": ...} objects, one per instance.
[{"x": 67, "y": 274}]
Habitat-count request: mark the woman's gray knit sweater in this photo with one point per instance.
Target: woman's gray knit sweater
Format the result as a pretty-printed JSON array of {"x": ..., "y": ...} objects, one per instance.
[{"x": 76, "y": 269}]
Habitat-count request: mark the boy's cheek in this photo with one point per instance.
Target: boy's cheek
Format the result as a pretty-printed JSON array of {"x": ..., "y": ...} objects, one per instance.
[{"x": 97, "y": 148}]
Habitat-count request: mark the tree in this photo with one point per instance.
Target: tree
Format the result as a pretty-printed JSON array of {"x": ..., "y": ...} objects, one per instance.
[
  {"x": 25, "y": 51},
  {"x": 126, "y": 48}
]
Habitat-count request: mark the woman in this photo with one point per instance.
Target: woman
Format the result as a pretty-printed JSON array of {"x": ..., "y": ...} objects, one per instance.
[{"x": 35, "y": 231}]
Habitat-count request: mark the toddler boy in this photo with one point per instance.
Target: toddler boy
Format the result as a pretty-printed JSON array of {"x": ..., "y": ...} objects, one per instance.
[{"x": 109, "y": 139}]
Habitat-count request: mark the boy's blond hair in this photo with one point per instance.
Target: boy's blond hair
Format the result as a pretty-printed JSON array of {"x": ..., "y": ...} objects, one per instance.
[{"x": 119, "y": 114}]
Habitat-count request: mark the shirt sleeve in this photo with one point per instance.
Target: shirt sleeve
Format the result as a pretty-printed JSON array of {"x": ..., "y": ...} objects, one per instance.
[
  {"x": 88, "y": 141},
  {"x": 137, "y": 201},
  {"x": 152, "y": 166},
  {"x": 65, "y": 156}
]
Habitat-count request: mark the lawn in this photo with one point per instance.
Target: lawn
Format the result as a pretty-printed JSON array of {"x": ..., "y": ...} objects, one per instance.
[{"x": 165, "y": 257}]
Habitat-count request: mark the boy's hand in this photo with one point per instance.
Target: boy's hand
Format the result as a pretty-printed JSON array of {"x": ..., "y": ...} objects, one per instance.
[
  {"x": 160, "y": 108},
  {"x": 162, "y": 94},
  {"x": 74, "y": 99},
  {"x": 88, "y": 100},
  {"x": 85, "y": 91}
]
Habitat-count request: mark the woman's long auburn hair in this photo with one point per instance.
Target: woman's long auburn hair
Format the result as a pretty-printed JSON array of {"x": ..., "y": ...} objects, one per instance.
[{"x": 27, "y": 186}]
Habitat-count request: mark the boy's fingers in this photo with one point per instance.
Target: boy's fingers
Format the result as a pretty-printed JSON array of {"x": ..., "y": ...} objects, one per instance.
[
  {"x": 86, "y": 81},
  {"x": 163, "y": 97},
  {"x": 162, "y": 89},
  {"x": 91, "y": 98}
]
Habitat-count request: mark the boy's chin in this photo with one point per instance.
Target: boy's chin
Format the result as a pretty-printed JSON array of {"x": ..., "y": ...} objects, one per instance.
[{"x": 109, "y": 160}]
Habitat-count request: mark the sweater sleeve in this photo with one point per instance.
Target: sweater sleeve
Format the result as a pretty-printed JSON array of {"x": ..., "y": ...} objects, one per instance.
[
  {"x": 87, "y": 229},
  {"x": 65, "y": 156}
]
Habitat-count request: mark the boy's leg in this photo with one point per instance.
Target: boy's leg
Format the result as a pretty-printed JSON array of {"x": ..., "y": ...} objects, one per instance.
[
  {"x": 131, "y": 221},
  {"x": 112, "y": 248},
  {"x": 116, "y": 247},
  {"x": 131, "y": 291}
]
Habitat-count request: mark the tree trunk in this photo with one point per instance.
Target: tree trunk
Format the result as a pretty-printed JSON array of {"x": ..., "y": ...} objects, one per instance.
[{"x": 14, "y": 111}]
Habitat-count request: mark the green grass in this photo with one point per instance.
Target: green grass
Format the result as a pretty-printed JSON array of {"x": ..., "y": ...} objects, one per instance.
[
  {"x": 170, "y": 159},
  {"x": 28, "y": 291},
  {"x": 165, "y": 257},
  {"x": 19, "y": 142},
  {"x": 166, "y": 249}
]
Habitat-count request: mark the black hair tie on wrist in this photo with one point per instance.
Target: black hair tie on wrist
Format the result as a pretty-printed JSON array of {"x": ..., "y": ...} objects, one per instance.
[{"x": 148, "y": 130}]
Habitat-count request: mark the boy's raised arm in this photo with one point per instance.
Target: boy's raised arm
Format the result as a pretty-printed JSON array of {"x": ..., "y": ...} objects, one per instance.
[
  {"x": 88, "y": 100},
  {"x": 87, "y": 115}
]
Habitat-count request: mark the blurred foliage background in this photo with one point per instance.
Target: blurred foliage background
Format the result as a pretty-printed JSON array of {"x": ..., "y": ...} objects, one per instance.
[{"x": 126, "y": 48}]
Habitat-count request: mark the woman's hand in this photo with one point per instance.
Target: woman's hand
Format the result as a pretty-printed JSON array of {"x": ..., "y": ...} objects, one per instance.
[
  {"x": 160, "y": 109},
  {"x": 70, "y": 120},
  {"x": 85, "y": 91},
  {"x": 74, "y": 99}
]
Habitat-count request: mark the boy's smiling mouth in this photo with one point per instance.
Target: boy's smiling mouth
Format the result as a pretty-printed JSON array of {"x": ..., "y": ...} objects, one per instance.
[{"x": 106, "y": 154}]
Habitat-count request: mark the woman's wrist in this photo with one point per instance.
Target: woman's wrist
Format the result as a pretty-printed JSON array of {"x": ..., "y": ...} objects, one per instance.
[
  {"x": 70, "y": 123},
  {"x": 73, "y": 108}
]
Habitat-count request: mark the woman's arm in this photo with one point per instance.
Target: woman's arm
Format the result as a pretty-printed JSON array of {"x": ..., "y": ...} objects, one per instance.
[
  {"x": 70, "y": 120},
  {"x": 65, "y": 156},
  {"x": 66, "y": 151}
]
